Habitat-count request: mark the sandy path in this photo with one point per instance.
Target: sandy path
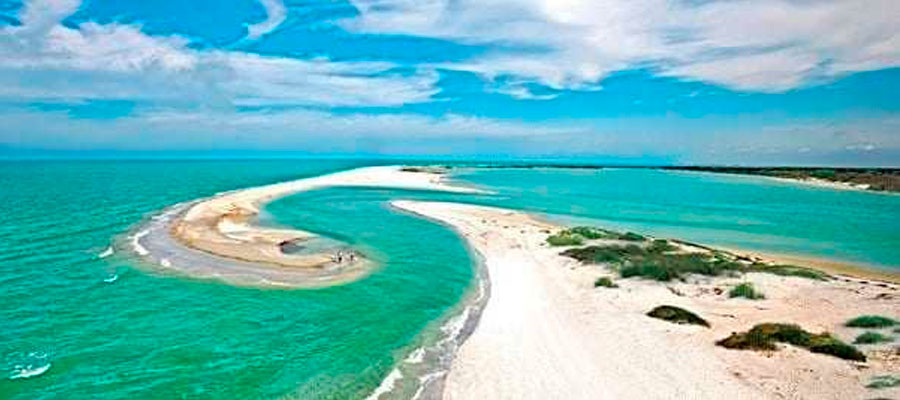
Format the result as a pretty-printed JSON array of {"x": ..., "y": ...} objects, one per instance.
[{"x": 547, "y": 333}]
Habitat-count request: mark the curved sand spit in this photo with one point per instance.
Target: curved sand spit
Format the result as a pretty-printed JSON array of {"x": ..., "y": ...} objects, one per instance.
[
  {"x": 548, "y": 333},
  {"x": 223, "y": 227}
]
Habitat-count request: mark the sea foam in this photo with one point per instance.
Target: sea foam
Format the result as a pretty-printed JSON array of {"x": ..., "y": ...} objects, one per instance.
[
  {"x": 35, "y": 366},
  {"x": 106, "y": 253},
  {"x": 136, "y": 243}
]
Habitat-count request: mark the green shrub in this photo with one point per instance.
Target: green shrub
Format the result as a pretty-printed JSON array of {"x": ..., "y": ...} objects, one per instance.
[
  {"x": 872, "y": 338},
  {"x": 745, "y": 290},
  {"x": 834, "y": 347},
  {"x": 765, "y": 336},
  {"x": 565, "y": 239},
  {"x": 660, "y": 246},
  {"x": 605, "y": 282},
  {"x": 654, "y": 261},
  {"x": 871, "y": 321},
  {"x": 592, "y": 233},
  {"x": 665, "y": 267},
  {"x": 632, "y": 237},
  {"x": 883, "y": 382},
  {"x": 604, "y": 254},
  {"x": 677, "y": 315}
]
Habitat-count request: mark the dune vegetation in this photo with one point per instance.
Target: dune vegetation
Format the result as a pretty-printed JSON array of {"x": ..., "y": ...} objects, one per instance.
[
  {"x": 677, "y": 315},
  {"x": 872, "y": 338},
  {"x": 747, "y": 291},
  {"x": 871, "y": 321},
  {"x": 884, "y": 382},
  {"x": 605, "y": 282},
  {"x": 660, "y": 259},
  {"x": 579, "y": 234},
  {"x": 766, "y": 336}
]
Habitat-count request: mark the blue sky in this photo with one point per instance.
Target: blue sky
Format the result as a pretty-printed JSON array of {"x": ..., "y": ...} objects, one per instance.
[{"x": 657, "y": 81}]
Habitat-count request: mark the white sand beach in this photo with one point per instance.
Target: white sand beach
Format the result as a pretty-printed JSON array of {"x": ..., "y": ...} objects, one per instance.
[{"x": 548, "y": 333}]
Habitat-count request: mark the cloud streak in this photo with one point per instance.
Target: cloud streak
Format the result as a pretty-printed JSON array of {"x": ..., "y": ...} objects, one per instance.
[
  {"x": 276, "y": 13},
  {"x": 751, "y": 45}
]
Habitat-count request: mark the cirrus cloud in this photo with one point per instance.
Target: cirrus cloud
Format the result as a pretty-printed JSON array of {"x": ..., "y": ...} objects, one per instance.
[{"x": 752, "y": 45}]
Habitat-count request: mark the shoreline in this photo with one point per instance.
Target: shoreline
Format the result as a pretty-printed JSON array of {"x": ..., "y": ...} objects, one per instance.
[
  {"x": 218, "y": 237},
  {"x": 453, "y": 329},
  {"x": 534, "y": 340},
  {"x": 831, "y": 267}
]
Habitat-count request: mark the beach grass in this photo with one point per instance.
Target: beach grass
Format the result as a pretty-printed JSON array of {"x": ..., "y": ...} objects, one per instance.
[
  {"x": 605, "y": 282},
  {"x": 592, "y": 233},
  {"x": 765, "y": 336},
  {"x": 658, "y": 261},
  {"x": 872, "y": 338},
  {"x": 871, "y": 321},
  {"x": 677, "y": 315},
  {"x": 632, "y": 237},
  {"x": 660, "y": 246},
  {"x": 747, "y": 291},
  {"x": 565, "y": 239},
  {"x": 666, "y": 267},
  {"x": 578, "y": 235},
  {"x": 604, "y": 254},
  {"x": 790, "y": 270},
  {"x": 884, "y": 382}
]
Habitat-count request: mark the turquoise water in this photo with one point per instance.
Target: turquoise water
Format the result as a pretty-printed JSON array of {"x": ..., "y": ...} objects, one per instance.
[
  {"x": 753, "y": 213},
  {"x": 154, "y": 337},
  {"x": 147, "y": 336}
]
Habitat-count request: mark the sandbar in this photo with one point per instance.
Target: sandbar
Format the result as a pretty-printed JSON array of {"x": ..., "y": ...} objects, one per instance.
[{"x": 226, "y": 242}]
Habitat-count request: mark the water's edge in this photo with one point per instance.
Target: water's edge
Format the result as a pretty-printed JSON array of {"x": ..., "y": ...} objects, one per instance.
[{"x": 422, "y": 371}]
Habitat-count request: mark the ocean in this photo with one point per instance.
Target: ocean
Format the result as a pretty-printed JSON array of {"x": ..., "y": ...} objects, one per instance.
[{"x": 79, "y": 321}]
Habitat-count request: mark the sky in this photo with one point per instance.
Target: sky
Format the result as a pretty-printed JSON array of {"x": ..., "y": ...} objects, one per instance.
[{"x": 734, "y": 82}]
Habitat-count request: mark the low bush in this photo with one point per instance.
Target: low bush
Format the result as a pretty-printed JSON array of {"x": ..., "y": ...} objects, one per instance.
[
  {"x": 660, "y": 246},
  {"x": 765, "y": 336},
  {"x": 592, "y": 233},
  {"x": 604, "y": 254},
  {"x": 745, "y": 290},
  {"x": 871, "y": 321},
  {"x": 565, "y": 239},
  {"x": 884, "y": 382},
  {"x": 677, "y": 315},
  {"x": 872, "y": 338},
  {"x": 665, "y": 267},
  {"x": 632, "y": 237},
  {"x": 605, "y": 282},
  {"x": 656, "y": 261}
]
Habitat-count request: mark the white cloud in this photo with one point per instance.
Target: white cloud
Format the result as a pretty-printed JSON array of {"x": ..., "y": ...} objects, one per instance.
[
  {"x": 92, "y": 61},
  {"x": 276, "y": 13},
  {"x": 261, "y": 81},
  {"x": 766, "y": 45}
]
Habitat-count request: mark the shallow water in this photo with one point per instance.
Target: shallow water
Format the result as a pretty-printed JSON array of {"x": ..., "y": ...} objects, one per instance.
[
  {"x": 103, "y": 326},
  {"x": 753, "y": 213}
]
